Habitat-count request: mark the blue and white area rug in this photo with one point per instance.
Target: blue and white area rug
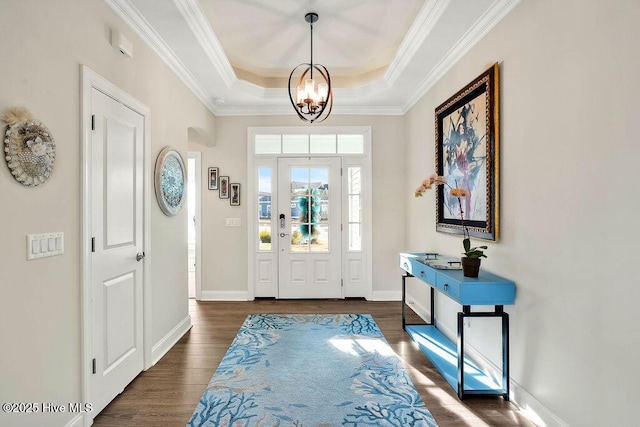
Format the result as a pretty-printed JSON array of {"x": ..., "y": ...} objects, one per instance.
[{"x": 310, "y": 370}]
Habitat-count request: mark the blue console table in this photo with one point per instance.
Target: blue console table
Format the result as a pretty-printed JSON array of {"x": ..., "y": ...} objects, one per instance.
[{"x": 486, "y": 289}]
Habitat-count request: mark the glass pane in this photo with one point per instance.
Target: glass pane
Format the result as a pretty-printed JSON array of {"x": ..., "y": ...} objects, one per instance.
[
  {"x": 355, "y": 208},
  {"x": 355, "y": 238},
  {"x": 309, "y": 209},
  {"x": 299, "y": 181},
  {"x": 320, "y": 237},
  {"x": 319, "y": 178},
  {"x": 267, "y": 144},
  {"x": 298, "y": 243},
  {"x": 265, "y": 237},
  {"x": 354, "y": 184},
  {"x": 295, "y": 144},
  {"x": 264, "y": 208},
  {"x": 323, "y": 144},
  {"x": 351, "y": 144}
]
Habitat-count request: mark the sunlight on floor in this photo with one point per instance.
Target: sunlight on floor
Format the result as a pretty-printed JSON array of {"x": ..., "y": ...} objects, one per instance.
[
  {"x": 451, "y": 359},
  {"x": 359, "y": 346}
]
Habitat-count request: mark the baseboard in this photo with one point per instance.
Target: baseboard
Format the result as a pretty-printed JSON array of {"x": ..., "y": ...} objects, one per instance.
[
  {"x": 77, "y": 421},
  {"x": 169, "y": 340},
  {"x": 525, "y": 402},
  {"x": 386, "y": 296},
  {"x": 224, "y": 296}
]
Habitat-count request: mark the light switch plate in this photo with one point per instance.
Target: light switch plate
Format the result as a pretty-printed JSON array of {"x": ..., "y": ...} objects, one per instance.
[
  {"x": 44, "y": 245},
  {"x": 233, "y": 222}
]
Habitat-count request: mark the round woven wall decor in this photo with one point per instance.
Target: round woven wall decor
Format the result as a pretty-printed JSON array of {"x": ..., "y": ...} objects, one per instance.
[{"x": 29, "y": 148}]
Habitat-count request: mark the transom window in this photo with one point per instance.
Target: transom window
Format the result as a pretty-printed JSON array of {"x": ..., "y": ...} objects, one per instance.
[{"x": 309, "y": 144}]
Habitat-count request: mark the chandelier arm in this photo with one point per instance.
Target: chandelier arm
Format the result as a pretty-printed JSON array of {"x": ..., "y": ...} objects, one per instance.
[
  {"x": 293, "y": 103},
  {"x": 325, "y": 74}
]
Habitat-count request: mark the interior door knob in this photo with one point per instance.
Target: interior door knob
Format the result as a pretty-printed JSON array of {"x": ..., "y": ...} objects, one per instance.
[{"x": 140, "y": 256}]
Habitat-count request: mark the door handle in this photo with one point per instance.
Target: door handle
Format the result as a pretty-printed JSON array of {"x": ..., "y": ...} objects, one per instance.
[
  {"x": 283, "y": 234},
  {"x": 140, "y": 256}
]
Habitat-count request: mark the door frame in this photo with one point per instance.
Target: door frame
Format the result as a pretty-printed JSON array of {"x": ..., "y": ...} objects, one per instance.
[
  {"x": 362, "y": 160},
  {"x": 197, "y": 155},
  {"x": 91, "y": 80}
]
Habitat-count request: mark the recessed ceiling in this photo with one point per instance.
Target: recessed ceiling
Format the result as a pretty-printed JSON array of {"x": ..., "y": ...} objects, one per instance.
[{"x": 236, "y": 55}]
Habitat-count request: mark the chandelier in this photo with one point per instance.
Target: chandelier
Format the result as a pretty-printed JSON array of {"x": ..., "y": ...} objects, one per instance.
[{"x": 311, "y": 99}]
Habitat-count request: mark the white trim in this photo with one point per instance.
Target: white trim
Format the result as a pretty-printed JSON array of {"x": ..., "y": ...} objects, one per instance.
[
  {"x": 386, "y": 296},
  {"x": 199, "y": 25},
  {"x": 170, "y": 339},
  {"x": 225, "y": 296},
  {"x": 283, "y": 109},
  {"x": 525, "y": 402},
  {"x": 251, "y": 190},
  {"x": 132, "y": 17},
  {"x": 427, "y": 18},
  {"x": 77, "y": 421},
  {"x": 197, "y": 21},
  {"x": 89, "y": 81},
  {"x": 197, "y": 155},
  {"x": 491, "y": 17}
]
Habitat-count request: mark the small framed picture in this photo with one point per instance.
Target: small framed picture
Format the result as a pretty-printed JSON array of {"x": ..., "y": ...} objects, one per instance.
[
  {"x": 235, "y": 194},
  {"x": 213, "y": 178},
  {"x": 224, "y": 187}
]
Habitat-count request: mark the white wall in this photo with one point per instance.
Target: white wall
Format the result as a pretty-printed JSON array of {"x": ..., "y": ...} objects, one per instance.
[
  {"x": 224, "y": 249},
  {"x": 569, "y": 156},
  {"x": 43, "y": 45}
]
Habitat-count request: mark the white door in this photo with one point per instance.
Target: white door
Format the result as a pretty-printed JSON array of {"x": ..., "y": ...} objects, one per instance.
[
  {"x": 117, "y": 147},
  {"x": 193, "y": 223},
  {"x": 309, "y": 228}
]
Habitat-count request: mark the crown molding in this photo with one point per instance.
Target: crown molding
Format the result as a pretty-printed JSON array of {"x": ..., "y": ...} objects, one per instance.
[
  {"x": 196, "y": 21},
  {"x": 132, "y": 17},
  {"x": 427, "y": 18},
  {"x": 498, "y": 10},
  {"x": 287, "y": 110},
  {"x": 199, "y": 25}
]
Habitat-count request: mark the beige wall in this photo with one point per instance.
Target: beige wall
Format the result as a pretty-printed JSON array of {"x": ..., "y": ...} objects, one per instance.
[
  {"x": 224, "y": 249},
  {"x": 569, "y": 156},
  {"x": 43, "y": 45},
  {"x": 569, "y": 153}
]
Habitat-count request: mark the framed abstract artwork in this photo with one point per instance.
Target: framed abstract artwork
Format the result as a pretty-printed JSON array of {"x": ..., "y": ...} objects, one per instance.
[
  {"x": 467, "y": 142},
  {"x": 213, "y": 178},
  {"x": 224, "y": 187},
  {"x": 235, "y": 194},
  {"x": 170, "y": 178}
]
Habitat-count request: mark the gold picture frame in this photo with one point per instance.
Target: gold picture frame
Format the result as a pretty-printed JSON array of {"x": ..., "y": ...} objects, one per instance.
[{"x": 467, "y": 145}]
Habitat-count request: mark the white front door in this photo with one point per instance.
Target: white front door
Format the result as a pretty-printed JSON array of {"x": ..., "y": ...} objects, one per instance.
[
  {"x": 117, "y": 147},
  {"x": 309, "y": 227}
]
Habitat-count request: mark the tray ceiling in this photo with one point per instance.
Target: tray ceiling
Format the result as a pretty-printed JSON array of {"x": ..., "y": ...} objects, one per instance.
[{"x": 236, "y": 55}]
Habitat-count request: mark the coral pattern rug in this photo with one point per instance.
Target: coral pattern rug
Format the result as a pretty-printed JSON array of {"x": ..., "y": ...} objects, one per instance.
[{"x": 310, "y": 370}]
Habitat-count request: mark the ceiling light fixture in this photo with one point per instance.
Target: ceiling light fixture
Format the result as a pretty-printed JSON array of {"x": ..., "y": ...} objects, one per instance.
[{"x": 313, "y": 101}]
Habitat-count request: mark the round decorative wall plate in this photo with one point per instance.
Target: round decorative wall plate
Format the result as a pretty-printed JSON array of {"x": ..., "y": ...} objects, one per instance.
[
  {"x": 170, "y": 179},
  {"x": 29, "y": 148}
]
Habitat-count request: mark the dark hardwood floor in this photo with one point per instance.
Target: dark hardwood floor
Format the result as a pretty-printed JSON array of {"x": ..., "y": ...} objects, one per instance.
[{"x": 167, "y": 393}]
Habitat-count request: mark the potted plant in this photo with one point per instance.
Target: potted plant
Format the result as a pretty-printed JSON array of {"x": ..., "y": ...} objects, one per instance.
[{"x": 472, "y": 256}]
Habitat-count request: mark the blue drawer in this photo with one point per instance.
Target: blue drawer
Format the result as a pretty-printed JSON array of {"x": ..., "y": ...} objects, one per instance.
[
  {"x": 411, "y": 264},
  {"x": 448, "y": 286},
  {"x": 486, "y": 289}
]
